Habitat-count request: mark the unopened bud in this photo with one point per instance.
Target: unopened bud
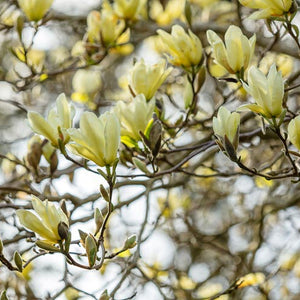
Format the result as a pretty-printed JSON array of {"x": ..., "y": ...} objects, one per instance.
[
  {"x": 63, "y": 207},
  {"x": 18, "y": 261},
  {"x": 130, "y": 242},
  {"x": 47, "y": 246},
  {"x": 34, "y": 155},
  {"x": 83, "y": 236},
  {"x": 229, "y": 148},
  {"x": 63, "y": 230},
  {"x": 140, "y": 165},
  {"x": 53, "y": 162},
  {"x": 104, "y": 193},
  {"x": 91, "y": 250},
  {"x": 98, "y": 218},
  {"x": 104, "y": 296}
]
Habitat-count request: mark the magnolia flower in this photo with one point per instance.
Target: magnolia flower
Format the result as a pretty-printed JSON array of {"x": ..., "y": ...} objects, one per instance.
[
  {"x": 47, "y": 220},
  {"x": 294, "y": 132},
  {"x": 105, "y": 26},
  {"x": 269, "y": 8},
  {"x": 135, "y": 116},
  {"x": 147, "y": 79},
  {"x": 166, "y": 13},
  {"x": 59, "y": 119},
  {"x": 86, "y": 83},
  {"x": 97, "y": 139},
  {"x": 35, "y": 9},
  {"x": 227, "y": 124},
  {"x": 237, "y": 52},
  {"x": 184, "y": 49},
  {"x": 127, "y": 9},
  {"x": 267, "y": 91}
]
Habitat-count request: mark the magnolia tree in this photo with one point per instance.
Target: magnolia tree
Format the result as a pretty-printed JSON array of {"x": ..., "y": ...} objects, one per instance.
[{"x": 168, "y": 165}]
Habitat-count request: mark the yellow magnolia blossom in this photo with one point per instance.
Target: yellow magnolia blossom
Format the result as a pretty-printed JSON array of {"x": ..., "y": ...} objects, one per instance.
[
  {"x": 104, "y": 26},
  {"x": 184, "y": 49},
  {"x": 173, "y": 10},
  {"x": 284, "y": 63},
  {"x": 147, "y": 79},
  {"x": 294, "y": 132},
  {"x": 97, "y": 139},
  {"x": 59, "y": 120},
  {"x": 34, "y": 58},
  {"x": 268, "y": 8},
  {"x": 210, "y": 290},
  {"x": 251, "y": 279},
  {"x": 94, "y": 26},
  {"x": 35, "y": 9},
  {"x": 128, "y": 9},
  {"x": 267, "y": 91},
  {"x": 134, "y": 116},
  {"x": 46, "y": 221},
  {"x": 227, "y": 124},
  {"x": 86, "y": 83},
  {"x": 235, "y": 55}
]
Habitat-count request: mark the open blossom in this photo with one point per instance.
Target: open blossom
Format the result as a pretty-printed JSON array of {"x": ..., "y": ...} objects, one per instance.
[
  {"x": 294, "y": 132},
  {"x": 59, "y": 120},
  {"x": 127, "y": 9},
  {"x": 147, "y": 79},
  {"x": 235, "y": 55},
  {"x": 267, "y": 8},
  {"x": 267, "y": 91},
  {"x": 86, "y": 84},
  {"x": 35, "y": 9},
  {"x": 97, "y": 139},
  {"x": 184, "y": 49},
  {"x": 46, "y": 220},
  {"x": 135, "y": 116},
  {"x": 227, "y": 124}
]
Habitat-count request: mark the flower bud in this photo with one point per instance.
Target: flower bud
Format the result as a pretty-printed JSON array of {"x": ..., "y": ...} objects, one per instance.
[
  {"x": 130, "y": 242},
  {"x": 91, "y": 249},
  {"x": 18, "y": 261},
  {"x": 63, "y": 230}
]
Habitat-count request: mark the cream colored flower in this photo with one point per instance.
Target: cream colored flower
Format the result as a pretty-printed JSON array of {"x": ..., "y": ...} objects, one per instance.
[
  {"x": 147, "y": 79},
  {"x": 35, "y": 9},
  {"x": 104, "y": 26},
  {"x": 166, "y": 14},
  {"x": 294, "y": 132},
  {"x": 267, "y": 92},
  {"x": 227, "y": 124},
  {"x": 268, "y": 8},
  {"x": 97, "y": 139},
  {"x": 184, "y": 49},
  {"x": 46, "y": 222},
  {"x": 237, "y": 52},
  {"x": 128, "y": 9},
  {"x": 86, "y": 83},
  {"x": 59, "y": 119},
  {"x": 135, "y": 116}
]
